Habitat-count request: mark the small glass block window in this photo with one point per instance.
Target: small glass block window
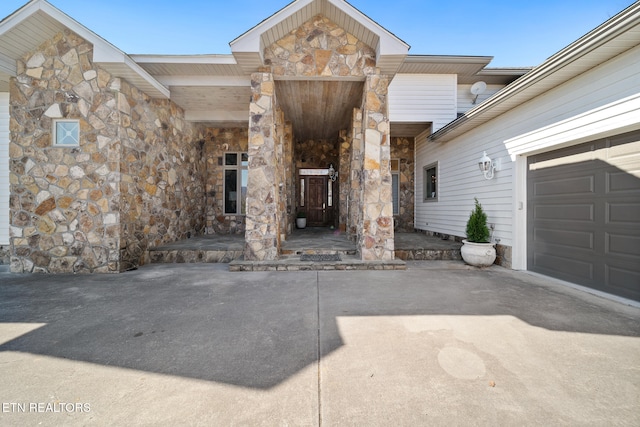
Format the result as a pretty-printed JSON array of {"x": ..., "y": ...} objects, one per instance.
[{"x": 66, "y": 133}]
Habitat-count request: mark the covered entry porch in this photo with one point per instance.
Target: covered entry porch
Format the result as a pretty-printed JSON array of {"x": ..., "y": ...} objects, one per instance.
[{"x": 229, "y": 249}]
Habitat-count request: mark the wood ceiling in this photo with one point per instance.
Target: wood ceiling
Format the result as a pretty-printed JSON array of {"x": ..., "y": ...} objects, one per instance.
[{"x": 319, "y": 109}]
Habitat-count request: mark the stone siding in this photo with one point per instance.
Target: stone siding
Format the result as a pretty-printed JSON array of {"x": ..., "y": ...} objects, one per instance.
[
  {"x": 64, "y": 205},
  {"x": 319, "y": 47},
  {"x": 162, "y": 176},
  {"x": 129, "y": 184},
  {"x": 403, "y": 150},
  {"x": 376, "y": 237},
  {"x": 262, "y": 222},
  {"x": 356, "y": 176}
]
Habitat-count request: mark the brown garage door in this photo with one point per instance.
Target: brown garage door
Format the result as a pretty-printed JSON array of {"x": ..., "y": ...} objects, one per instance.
[{"x": 584, "y": 214}]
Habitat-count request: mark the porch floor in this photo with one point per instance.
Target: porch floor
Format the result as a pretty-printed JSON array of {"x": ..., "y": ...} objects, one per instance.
[{"x": 228, "y": 248}]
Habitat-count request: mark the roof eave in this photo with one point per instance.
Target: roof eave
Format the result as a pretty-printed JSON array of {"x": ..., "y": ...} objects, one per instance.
[
  {"x": 105, "y": 54},
  {"x": 523, "y": 86}
]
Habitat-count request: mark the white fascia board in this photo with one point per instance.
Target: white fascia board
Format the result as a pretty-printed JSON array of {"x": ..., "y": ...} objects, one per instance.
[
  {"x": 216, "y": 116},
  {"x": 229, "y": 81},
  {"x": 617, "y": 117},
  {"x": 185, "y": 59},
  {"x": 250, "y": 40}
]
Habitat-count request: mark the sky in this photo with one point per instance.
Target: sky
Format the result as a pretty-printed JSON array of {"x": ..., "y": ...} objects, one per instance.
[{"x": 517, "y": 33}]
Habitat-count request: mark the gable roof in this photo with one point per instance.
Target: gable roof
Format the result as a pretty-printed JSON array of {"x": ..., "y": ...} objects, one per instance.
[
  {"x": 390, "y": 50},
  {"x": 615, "y": 36},
  {"x": 38, "y": 21}
]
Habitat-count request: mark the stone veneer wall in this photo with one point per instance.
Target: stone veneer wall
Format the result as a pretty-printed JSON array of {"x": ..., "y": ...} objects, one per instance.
[
  {"x": 376, "y": 235},
  {"x": 217, "y": 142},
  {"x": 316, "y": 154},
  {"x": 162, "y": 176},
  {"x": 319, "y": 47},
  {"x": 356, "y": 176},
  {"x": 129, "y": 184},
  {"x": 403, "y": 150},
  {"x": 344, "y": 144},
  {"x": 262, "y": 235}
]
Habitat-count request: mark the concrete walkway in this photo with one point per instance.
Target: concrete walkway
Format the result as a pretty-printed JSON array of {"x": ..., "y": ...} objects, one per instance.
[{"x": 193, "y": 344}]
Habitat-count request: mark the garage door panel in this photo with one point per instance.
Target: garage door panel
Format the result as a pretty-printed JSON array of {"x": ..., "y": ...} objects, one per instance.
[
  {"x": 564, "y": 238},
  {"x": 619, "y": 279},
  {"x": 623, "y": 213},
  {"x": 565, "y": 186},
  {"x": 622, "y": 245},
  {"x": 564, "y": 212},
  {"x": 621, "y": 182},
  {"x": 564, "y": 268},
  {"x": 584, "y": 214}
]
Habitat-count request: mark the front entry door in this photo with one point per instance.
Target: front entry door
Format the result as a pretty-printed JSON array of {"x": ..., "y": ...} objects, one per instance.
[{"x": 318, "y": 203}]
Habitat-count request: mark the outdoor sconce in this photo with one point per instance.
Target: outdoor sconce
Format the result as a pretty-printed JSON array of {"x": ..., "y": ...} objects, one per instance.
[
  {"x": 488, "y": 166},
  {"x": 333, "y": 175}
]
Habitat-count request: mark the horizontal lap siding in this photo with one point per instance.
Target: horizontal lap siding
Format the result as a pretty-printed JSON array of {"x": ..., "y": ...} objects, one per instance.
[
  {"x": 423, "y": 98},
  {"x": 4, "y": 168},
  {"x": 459, "y": 181},
  {"x": 459, "y": 177}
]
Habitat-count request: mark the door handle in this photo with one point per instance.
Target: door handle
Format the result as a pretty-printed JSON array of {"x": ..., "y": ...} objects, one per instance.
[{"x": 323, "y": 206}]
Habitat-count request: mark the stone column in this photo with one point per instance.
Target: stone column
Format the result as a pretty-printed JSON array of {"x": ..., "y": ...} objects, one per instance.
[
  {"x": 377, "y": 242},
  {"x": 262, "y": 223},
  {"x": 355, "y": 178},
  {"x": 344, "y": 141}
]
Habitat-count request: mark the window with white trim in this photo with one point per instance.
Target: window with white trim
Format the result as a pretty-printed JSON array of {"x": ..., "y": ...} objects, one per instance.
[
  {"x": 430, "y": 182},
  {"x": 236, "y": 176},
  {"x": 66, "y": 133}
]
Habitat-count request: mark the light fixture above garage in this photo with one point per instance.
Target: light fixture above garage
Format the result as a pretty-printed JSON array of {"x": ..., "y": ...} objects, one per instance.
[{"x": 488, "y": 166}]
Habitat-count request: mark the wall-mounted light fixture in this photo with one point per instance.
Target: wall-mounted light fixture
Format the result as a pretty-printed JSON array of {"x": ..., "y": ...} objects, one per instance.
[
  {"x": 488, "y": 166},
  {"x": 333, "y": 174}
]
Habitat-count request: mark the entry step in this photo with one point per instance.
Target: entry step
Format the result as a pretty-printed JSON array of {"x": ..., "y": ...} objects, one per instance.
[{"x": 295, "y": 263}]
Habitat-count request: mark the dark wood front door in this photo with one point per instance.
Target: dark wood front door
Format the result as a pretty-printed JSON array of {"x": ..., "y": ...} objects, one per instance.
[{"x": 319, "y": 211}]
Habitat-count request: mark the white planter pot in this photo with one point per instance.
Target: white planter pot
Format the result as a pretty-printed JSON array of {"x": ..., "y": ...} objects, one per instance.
[
  {"x": 478, "y": 254},
  {"x": 301, "y": 222}
]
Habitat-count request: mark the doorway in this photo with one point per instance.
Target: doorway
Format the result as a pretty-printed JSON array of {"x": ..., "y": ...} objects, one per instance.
[{"x": 317, "y": 198}]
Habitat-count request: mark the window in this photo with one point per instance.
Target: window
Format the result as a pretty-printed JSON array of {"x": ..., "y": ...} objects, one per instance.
[
  {"x": 66, "y": 133},
  {"x": 430, "y": 184},
  {"x": 395, "y": 185},
  {"x": 236, "y": 176}
]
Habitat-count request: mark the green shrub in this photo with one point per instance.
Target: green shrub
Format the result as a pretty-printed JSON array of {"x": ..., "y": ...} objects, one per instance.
[{"x": 477, "y": 229}]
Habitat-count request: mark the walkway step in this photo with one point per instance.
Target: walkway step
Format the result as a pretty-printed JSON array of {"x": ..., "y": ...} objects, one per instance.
[
  {"x": 193, "y": 256},
  {"x": 428, "y": 254},
  {"x": 293, "y": 263}
]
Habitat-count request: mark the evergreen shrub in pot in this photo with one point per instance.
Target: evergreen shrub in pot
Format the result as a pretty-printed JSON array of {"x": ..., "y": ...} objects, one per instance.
[{"x": 477, "y": 248}]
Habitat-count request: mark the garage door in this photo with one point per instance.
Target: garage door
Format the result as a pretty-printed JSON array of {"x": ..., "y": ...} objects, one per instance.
[{"x": 584, "y": 214}]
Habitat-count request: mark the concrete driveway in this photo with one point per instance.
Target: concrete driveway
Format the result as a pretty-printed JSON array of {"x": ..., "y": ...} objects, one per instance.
[{"x": 193, "y": 344}]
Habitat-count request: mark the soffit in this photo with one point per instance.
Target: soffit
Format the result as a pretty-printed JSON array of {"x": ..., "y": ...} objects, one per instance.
[
  {"x": 319, "y": 109},
  {"x": 469, "y": 69},
  {"x": 611, "y": 39}
]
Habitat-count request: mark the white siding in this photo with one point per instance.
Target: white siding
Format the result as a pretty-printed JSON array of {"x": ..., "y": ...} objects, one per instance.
[
  {"x": 4, "y": 168},
  {"x": 465, "y": 97},
  {"x": 423, "y": 98},
  {"x": 459, "y": 177}
]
